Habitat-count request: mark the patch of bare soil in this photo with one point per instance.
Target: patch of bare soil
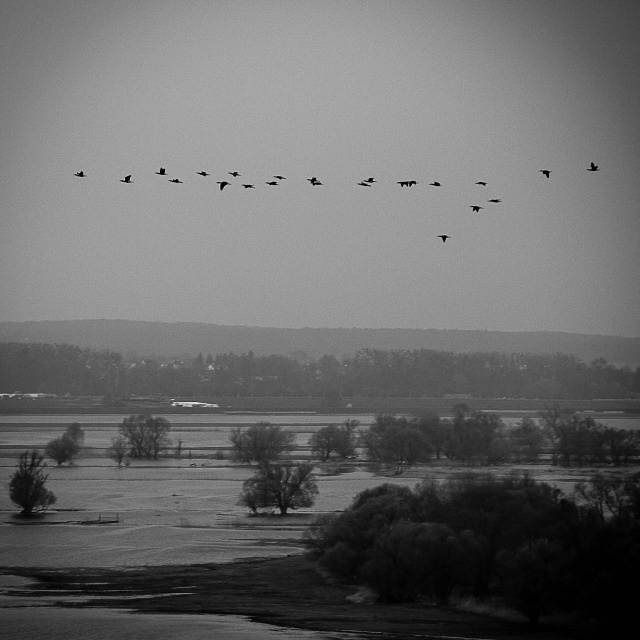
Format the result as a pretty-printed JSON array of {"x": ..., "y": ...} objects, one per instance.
[{"x": 288, "y": 591}]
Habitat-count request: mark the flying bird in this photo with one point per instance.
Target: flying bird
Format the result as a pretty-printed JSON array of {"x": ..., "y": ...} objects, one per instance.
[
  {"x": 444, "y": 237},
  {"x": 273, "y": 183},
  {"x": 127, "y": 179},
  {"x": 162, "y": 172},
  {"x": 495, "y": 200},
  {"x": 314, "y": 179},
  {"x": 593, "y": 167},
  {"x": 403, "y": 184},
  {"x": 176, "y": 181},
  {"x": 248, "y": 186},
  {"x": 80, "y": 174},
  {"x": 203, "y": 173},
  {"x": 484, "y": 184},
  {"x": 411, "y": 183},
  {"x": 364, "y": 183},
  {"x": 369, "y": 180},
  {"x": 235, "y": 174},
  {"x": 435, "y": 184},
  {"x": 475, "y": 207},
  {"x": 223, "y": 184},
  {"x": 315, "y": 183},
  {"x": 545, "y": 172},
  {"x": 280, "y": 177}
]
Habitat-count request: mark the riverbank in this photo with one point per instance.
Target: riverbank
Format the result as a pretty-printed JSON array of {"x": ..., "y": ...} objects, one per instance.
[{"x": 288, "y": 591}]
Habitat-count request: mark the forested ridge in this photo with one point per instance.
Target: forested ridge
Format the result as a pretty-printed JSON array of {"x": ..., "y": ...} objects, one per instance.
[
  {"x": 67, "y": 369},
  {"x": 170, "y": 339}
]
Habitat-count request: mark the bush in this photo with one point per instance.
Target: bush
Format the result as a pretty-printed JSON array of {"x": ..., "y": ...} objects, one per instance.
[
  {"x": 62, "y": 449},
  {"x": 76, "y": 433}
]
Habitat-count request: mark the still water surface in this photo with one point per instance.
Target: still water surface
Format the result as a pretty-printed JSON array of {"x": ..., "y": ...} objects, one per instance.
[
  {"x": 612, "y": 420},
  {"x": 27, "y": 623}
]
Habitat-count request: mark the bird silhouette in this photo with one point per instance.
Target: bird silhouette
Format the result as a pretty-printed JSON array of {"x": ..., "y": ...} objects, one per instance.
[
  {"x": 545, "y": 172},
  {"x": 593, "y": 167},
  {"x": 435, "y": 184},
  {"x": 369, "y": 180},
  {"x": 475, "y": 207},
  {"x": 203, "y": 173},
  {"x": 484, "y": 184},
  {"x": 235, "y": 174},
  {"x": 314, "y": 179},
  {"x": 273, "y": 183},
  {"x": 223, "y": 184},
  {"x": 403, "y": 183},
  {"x": 248, "y": 186},
  {"x": 162, "y": 172},
  {"x": 364, "y": 184},
  {"x": 80, "y": 174},
  {"x": 127, "y": 179},
  {"x": 444, "y": 237},
  {"x": 316, "y": 183},
  {"x": 494, "y": 200},
  {"x": 411, "y": 183},
  {"x": 280, "y": 177},
  {"x": 176, "y": 181}
]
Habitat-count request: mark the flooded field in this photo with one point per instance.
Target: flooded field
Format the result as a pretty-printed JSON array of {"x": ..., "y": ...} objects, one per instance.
[
  {"x": 175, "y": 511},
  {"x": 179, "y": 511}
]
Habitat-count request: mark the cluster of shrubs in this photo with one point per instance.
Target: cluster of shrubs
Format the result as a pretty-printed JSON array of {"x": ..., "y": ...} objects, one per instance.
[
  {"x": 481, "y": 438},
  {"x": 515, "y": 540},
  {"x": 67, "y": 446}
]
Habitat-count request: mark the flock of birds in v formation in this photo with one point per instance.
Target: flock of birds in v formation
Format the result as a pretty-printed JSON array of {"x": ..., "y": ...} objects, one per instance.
[{"x": 367, "y": 182}]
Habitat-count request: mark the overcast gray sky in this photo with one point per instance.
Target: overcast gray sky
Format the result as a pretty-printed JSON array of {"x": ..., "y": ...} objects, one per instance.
[{"x": 455, "y": 92}]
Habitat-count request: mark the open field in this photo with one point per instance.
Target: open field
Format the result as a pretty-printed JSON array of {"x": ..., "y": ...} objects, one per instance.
[{"x": 114, "y": 525}]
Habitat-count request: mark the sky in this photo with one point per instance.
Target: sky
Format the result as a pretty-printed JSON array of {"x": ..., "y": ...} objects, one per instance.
[{"x": 444, "y": 91}]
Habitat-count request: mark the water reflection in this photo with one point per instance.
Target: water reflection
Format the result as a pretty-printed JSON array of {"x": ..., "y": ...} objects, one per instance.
[{"x": 26, "y": 623}]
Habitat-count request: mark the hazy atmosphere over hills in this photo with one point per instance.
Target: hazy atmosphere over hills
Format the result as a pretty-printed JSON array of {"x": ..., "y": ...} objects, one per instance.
[
  {"x": 466, "y": 104},
  {"x": 163, "y": 339}
]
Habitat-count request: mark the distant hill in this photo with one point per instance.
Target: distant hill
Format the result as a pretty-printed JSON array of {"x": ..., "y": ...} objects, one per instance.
[{"x": 166, "y": 339}]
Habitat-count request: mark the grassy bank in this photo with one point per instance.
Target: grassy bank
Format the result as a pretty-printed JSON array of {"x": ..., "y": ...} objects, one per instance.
[{"x": 289, "y": 591}]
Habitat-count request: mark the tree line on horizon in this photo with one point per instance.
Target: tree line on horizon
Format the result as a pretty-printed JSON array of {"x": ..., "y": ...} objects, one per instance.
[{"x": 67, "y": 369}]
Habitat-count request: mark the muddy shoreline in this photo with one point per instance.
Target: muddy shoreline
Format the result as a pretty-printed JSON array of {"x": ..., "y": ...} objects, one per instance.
[{"x": 288, "y": 591}]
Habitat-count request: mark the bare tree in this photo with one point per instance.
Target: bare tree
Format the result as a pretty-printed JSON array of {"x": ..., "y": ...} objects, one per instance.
[
  {"x": 26, "y": 488},
  {"x": 338, "y": 439},
  {"x": 287, "y": 486},
  {"x": 261, "y": 442},
  {"x": 146, "y": 436},
  {"x": 118, "y": 449}
]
